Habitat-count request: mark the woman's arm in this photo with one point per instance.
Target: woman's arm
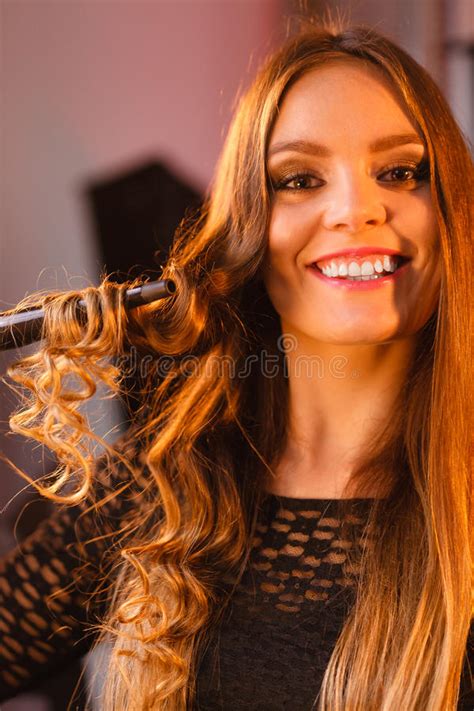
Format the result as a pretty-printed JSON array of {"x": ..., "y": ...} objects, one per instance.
[{"x": 46, "y": 583}]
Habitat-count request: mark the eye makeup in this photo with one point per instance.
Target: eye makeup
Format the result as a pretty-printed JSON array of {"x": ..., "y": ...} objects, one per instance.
[{"x": 281, "y": 177}]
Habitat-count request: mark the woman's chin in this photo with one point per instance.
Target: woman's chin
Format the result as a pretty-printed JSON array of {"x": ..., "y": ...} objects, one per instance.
[{"x": 356, "y": 337}]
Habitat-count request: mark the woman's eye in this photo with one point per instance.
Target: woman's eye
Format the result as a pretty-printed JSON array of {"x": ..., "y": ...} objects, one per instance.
[
  {"x": 407, "y": 173},
  {"x": 301, "y": 182},
  {"x": 399, "y": 173}
]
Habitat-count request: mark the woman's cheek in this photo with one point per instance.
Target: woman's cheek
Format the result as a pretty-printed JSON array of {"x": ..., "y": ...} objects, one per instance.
[{"x": 290, "y": 230}]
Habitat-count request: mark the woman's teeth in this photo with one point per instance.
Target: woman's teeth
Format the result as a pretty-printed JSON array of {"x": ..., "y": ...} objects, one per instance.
[{"x": 361, "y": 272}]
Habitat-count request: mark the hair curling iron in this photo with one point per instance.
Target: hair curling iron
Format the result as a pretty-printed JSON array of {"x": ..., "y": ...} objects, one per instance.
[{"x": 25, "y": 327}]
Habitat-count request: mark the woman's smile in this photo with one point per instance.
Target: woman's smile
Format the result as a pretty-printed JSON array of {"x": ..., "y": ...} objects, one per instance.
[{"x": 356, "y": 279}]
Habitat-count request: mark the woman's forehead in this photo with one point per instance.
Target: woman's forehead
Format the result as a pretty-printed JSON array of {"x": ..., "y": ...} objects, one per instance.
[
  {"x": 340, "y": 72},
  {"x": 341, "y": 95}
]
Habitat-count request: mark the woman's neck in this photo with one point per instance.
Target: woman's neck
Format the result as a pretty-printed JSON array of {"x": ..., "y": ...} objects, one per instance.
[{"x": 335, "y": 411}]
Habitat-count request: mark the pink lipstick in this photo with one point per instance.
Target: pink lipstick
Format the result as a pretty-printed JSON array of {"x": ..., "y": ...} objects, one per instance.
[{"x": 344, "y": 282}]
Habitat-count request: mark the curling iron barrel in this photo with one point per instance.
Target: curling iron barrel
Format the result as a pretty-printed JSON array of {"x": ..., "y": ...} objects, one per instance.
[{"x": 24, "y": 327}]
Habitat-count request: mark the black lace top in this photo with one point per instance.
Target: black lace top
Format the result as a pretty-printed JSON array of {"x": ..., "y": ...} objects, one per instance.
[
  {"x": 272, "y": 646},
  {"x": 274, "y": 643}
]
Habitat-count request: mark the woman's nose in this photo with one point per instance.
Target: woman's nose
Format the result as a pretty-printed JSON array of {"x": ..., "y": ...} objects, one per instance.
[{"x": 354, "y": 204}]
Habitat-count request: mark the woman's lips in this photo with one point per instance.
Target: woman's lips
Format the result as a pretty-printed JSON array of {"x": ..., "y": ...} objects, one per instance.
[
  {"x": 356, "y": 252},
  {"x": 364, "y": 284}
]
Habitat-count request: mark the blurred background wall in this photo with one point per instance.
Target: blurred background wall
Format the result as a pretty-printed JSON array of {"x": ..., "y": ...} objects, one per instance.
[{"x": 92, "y": 90}]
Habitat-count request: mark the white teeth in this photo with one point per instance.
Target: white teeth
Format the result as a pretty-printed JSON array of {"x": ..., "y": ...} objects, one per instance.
[
  {"x": 367, "y": 269},
  {"x": 365, "y": 278},
  {"x": 363, "y": 271},
  {"x": 354, "y": 269},
  {"x": 360, "y": 272}
]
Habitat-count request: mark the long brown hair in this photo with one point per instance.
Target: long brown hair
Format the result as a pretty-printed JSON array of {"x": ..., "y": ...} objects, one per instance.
[{"x": 209, "y": 437}]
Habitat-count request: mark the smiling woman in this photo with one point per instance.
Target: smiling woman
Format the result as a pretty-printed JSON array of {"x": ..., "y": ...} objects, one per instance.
[
  {"x": 276, "y": 537},
  {"x": 361, "y": 192},
  {"x": 365, "y": 185}
]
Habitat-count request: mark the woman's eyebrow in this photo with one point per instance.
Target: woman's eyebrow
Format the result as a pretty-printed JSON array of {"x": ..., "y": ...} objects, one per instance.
[{"x": 317, "y": 149}]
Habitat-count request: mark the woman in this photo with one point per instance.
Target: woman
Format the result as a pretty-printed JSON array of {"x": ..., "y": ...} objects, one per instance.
[{"x": 292, "y": 513}]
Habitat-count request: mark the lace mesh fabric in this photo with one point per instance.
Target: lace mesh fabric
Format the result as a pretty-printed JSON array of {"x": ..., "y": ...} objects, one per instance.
[
  {"x": 273, "y": 644},
  {"x": 46, "y": 608},
  {"x": 275, "y": 641}
]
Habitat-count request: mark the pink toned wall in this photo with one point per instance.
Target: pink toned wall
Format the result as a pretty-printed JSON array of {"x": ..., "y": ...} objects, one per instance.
[{"x": 90, "y": 86}]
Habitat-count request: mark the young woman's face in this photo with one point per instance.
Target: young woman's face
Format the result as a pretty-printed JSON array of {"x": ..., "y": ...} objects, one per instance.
[{"x": 349, "y": 194}]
